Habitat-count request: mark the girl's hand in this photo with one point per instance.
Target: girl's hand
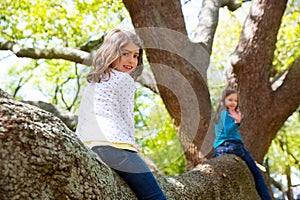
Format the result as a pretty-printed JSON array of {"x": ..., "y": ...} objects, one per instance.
[{"x": 236, "y": 115}]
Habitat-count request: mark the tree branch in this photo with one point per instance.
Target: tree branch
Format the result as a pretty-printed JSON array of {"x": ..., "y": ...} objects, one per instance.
[
  {"x": 67, "y": 117},
  {"x": 147, "y": 79},
  {"x": 289, "y": 88},
  {"x": 74, "y": 55},
  {"x": 81, "y": 56},
  {"x": 92, "y": 45},
  {"x": 209, "y": 18},
  {"x": 276, "y": 184},
  {"x": 55, "y": 164},
  {"x": 252, "y": 65}
]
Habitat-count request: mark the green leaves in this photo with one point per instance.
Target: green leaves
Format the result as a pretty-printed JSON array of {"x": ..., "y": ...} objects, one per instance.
[
  {"x": 288, "y": 39},
  {"x": 65, "y": 23},
  {"x": 156, "y": 134},
  {"x": 285, "y": 148},
  {"x": 47, "y": 24}
]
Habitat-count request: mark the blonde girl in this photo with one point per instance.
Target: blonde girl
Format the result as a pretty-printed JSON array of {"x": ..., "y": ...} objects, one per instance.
[{"x": 106, "y": 120}]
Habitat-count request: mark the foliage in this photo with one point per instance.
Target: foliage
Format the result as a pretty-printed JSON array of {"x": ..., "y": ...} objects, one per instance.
[
  {"x": 64, "y": 23},
  {"x": 156, "y": 133},
  {"x": 285, "y": 149},
  {"x": 288, "y": 38},
  {"x": 53, "y": 81},
  {"x": 225, "y": 41},
  {"x": 19, "y": 75}
]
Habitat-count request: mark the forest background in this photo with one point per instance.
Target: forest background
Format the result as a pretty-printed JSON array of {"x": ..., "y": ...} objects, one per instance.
[{"x": 25, "y": 79}]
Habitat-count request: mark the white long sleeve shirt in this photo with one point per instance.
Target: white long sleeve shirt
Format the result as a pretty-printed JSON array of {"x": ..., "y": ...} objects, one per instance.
[{"x": 106, "y": 112}]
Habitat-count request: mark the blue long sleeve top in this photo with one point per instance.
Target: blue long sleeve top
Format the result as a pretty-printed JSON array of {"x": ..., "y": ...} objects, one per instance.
[{"x": 226, "y": 129}]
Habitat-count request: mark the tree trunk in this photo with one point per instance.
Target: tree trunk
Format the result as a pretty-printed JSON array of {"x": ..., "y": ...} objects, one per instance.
[
  {"x": 42, "y": 159},
  {"x": 265, "y": 109},
  {"x": 179, "y": 67}
]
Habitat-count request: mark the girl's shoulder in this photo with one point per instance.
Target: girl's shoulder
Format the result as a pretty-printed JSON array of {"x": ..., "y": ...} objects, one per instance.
[
  {"x": 220, "y": 116},
  {"x": 117, "y": 75},
  {"x": 224, "y": 112},
  {"x": 120, "y": 80}
]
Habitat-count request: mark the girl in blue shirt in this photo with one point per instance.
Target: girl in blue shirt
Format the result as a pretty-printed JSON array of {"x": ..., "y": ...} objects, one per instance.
[{"x": 229, "y": 141}]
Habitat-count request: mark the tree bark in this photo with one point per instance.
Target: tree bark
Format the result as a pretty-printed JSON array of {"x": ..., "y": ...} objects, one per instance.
[
  {"x": 265, "y": 110},
  {"x": 67, "y": 117},
  {"x": 209, "y": 18},
  {"x": 75, "y": 55},
  {"x": 179, "y": 68},
  {"x": 42, "y": 159},
  {"x": 252, "y": 64}
]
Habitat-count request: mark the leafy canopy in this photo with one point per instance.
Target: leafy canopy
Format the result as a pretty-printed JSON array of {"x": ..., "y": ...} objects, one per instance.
[
  {"x": 63, "y": 23},
  {"x": 39, "y": 23}
]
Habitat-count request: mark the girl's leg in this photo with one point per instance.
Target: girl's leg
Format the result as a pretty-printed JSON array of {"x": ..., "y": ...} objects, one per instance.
[
  {"x": 260, "y": 183},
  {"x": 239, "y": 150},
  {"x": 133, "y": 170},
  {"x": 228, "y": 147}
]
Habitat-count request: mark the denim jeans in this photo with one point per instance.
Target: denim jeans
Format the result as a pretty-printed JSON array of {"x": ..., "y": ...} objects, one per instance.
[
  {"x": 133, "y": 170},
  {"x": 237, "y": 148}
]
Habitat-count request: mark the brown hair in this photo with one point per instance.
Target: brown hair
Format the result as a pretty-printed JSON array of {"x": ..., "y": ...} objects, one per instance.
[{"x": 222, "y": 105}]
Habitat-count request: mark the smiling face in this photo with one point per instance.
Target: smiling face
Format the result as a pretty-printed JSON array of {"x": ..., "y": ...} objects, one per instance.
[
  {"x": 231, "y": 102},
  {"x": 128, "y": 60}
]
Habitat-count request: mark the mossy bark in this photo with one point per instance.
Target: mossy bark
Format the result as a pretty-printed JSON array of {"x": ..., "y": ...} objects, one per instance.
[{"x": 42, "y": 159}]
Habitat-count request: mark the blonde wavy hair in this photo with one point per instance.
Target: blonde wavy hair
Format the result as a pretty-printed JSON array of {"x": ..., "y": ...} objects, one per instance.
[{"x": 110, "y": 50}]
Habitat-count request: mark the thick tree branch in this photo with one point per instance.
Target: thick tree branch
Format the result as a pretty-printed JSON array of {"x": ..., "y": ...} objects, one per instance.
[
  {"x": 259, "y": 37},
  {"x": 252, "y": 66},
  {"x": 41, "y": 159},
  {"x": 147, "y": 79},
  {"x": 67, "y": 117},
  {"x": 5, "y": 95},
  {"x": 82, "y": 56},
  {"x": 288, "y": 91},
  {"x": 179, "y": 67},
  {"x": 74, "y": 55},
  {"x": 209, "y": 18}
]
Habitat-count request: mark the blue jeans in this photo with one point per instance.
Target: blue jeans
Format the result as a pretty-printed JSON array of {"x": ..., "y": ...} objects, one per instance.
[
  {"x": 237, "y": 148},
  {"x": 135, "y": 172}
]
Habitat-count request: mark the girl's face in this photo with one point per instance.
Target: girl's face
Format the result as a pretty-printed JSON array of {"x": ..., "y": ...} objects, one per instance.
[
  {"x": 128, "y": 60},
  {"x": 231, "y": 101}
]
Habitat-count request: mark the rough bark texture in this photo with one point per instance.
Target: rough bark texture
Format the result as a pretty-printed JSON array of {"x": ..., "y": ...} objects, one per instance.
[
  {"x": 67, "y": 117},
  {"x": 179, "y": 68},
  {"x": 265, "y": 109},
  {"x": 42, "y": 159},
  {"x": 252, "y": 65},
  {"x": 207, "y": 26}
]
